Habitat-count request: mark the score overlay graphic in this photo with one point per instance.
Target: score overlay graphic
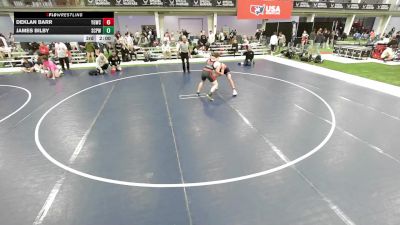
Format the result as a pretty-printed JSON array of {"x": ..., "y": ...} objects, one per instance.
[{"x": 64, "y": 26}]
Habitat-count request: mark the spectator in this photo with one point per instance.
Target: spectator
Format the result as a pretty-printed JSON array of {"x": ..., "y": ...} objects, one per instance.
[
  {"x": 388, "y": 54},
  {"x": 249, "y": 54},
  {"x": 33, "y": 48},
  {"x": 184, "y": 54},
  {"x": 134, "y": 52},
  {"x": 152, "y": 37},
  {"x": 273, "y": 42},
  {"x": 258, "y": 35},
  {"x": 386, "y": 39},
  {"x": 75, "y": 46},
  {"x": 211, "y": 37},
  {"x": 235, "y": 47},
  {"x": 126, "y": 57},
  {"x": 393, "y": 42},
  {"x": 11, "y": 39},
  {"x": 4, "y": 49},
  {"x": 319, "y": 40},
  {"x": 203, "y": 40},
  {"x": 264, "y": 35},
  {"x": 221, "y": 36},
  {"x": 326, "y": 38},
  {"x": 128, "y": 41},
  {"x": 245, "y": 43},
  {"x": 118, "y": 46},
  {"x": 115, "y": 61},
  {"x": 391, "y": 32},
  {"x": 173, "y": 38},
  {"x": 332, "y": 38},
  {"x": 186, "y": 34},
  {"x": 148, "y": 56},
  {"x": 304, "y": 39},
  {"x": 281, "y": 41},
  {"x": 261, "y": 35},
  {"x": 136, "y": 37},
  {"x": 372, "y": 36},
  {"x": 27, "y": 66},
  {"x": 232, "y": 35},
  {"x": 90, "y": 49},
  {"x": 166, "y": 50},
  {"x": 166, "y": 38},
  {"x": 101, "y": 64},
  {"x": 144, "y": 41},
  {"x": 62, "y": 54}
]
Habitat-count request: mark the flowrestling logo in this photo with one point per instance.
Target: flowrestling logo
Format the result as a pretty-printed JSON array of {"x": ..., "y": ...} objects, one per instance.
[{"x": 260, "y": 10}]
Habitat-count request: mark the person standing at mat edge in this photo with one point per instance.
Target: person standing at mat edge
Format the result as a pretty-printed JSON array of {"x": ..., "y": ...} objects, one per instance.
[{"x": 184, "y": 53}]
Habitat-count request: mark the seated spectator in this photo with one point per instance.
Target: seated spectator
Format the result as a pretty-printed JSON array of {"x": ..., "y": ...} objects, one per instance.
[
  {"x": 245, "y": 43},
  {"x": 372, "y": 36},
  {"x": 173, "y": 38},
  {"x": 166, "y": 50},
  {"x": 248, "y": 61},
  {"x": 144, "y": 41},
  {"x": 27, "y": 66},
  {"x": 393, "y": 42},
  {"x": 101, "y": 64},
  {"x": 388, "y": 54},
  {"x": 235, "y": 47},
  {"x": 115, "y": 61},
  {"x": 221, "y": 37},
  {"x": 148, "y": 56},
  {"x": 166, "y": 38},
  {"x": 33, "y": 47},
  {"x": 133, "y": 52},
  {"x": 203, "y": 40},
  {"x": 4, "y": 49},
  {"x": 211, "y": 37},
  {"x": 75, "y": 46}
]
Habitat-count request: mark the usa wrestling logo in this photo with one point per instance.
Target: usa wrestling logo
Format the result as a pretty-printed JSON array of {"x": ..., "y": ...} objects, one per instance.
[
  {"x": 257, "y": 9},
  {"x": 265, "y": 10}
]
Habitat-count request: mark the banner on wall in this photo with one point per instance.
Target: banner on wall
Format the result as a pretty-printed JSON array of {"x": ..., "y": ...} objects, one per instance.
[
  {"x": 333, "y": 5},
  {"x": 264, "y": 9},
  {"x": 164, "y": 3}
]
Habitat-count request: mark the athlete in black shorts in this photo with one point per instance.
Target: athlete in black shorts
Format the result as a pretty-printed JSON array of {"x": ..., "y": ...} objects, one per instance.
[{"x": 227, "y": 72}]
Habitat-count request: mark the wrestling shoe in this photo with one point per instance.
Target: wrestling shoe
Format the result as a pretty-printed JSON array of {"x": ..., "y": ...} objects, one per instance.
[
  {"x": 234, "y": 93},
  {"x": 209, "y": 97}
]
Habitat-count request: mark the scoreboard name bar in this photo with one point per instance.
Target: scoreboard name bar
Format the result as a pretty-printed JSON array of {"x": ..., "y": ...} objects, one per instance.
[{"x": 60, "y": 22}]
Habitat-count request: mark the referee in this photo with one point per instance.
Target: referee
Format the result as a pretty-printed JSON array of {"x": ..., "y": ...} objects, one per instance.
[{"x": 184, "y": 53}]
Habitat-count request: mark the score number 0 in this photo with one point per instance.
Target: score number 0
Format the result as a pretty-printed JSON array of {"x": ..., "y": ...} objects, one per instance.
[
  {"x": 108, "y": 26},
  {"x": 108, "y": 21}
]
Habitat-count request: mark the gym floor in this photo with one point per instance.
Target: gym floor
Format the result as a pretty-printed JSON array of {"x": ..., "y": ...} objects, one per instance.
[{"x": 138, "y": 148}]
